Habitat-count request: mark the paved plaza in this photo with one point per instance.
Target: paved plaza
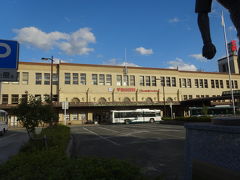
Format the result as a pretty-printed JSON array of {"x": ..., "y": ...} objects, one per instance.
[{"x": 156, "y": 148}]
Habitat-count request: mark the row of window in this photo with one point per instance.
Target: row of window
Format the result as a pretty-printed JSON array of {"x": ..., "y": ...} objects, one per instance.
[
  {"x": 45, "y": 78},
  {"x": 125, "y": 80},
  {"x": 186, "y": 97},
  {"x": 203, "y": 83},
  {"x": 16, "y": 97}
]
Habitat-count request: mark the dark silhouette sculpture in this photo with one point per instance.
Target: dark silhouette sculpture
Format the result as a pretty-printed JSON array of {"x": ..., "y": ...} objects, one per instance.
[{"x": 203, "y": 7}]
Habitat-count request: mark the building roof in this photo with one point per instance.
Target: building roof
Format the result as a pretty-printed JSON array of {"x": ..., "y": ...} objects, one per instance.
[{"x": 129, "y": 67}]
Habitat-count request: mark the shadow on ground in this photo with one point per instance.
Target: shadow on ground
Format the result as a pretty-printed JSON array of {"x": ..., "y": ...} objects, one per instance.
[{"x": 155, "y": 156}]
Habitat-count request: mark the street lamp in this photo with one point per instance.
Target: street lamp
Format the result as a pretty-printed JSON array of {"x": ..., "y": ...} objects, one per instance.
[
  {"x": 51, "y": 74},
  {"x": 164, "y": 101}
]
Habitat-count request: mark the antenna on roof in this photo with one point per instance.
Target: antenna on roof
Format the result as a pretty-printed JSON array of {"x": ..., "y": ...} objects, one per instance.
[{"x": 125, "y": 70}]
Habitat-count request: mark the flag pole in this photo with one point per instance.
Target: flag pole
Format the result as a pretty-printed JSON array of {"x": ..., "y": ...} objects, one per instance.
[{"x": 228, "y": 60}]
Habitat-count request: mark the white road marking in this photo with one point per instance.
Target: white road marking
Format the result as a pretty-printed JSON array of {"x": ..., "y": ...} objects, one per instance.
[
  {"x": 108, "y": 129},
  {"x": 106, "y": 139},
  {"x": 136, "y": 132}
]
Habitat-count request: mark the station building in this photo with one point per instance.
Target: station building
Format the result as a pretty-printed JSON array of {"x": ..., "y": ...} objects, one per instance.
[{"x": 94, "y": 90}]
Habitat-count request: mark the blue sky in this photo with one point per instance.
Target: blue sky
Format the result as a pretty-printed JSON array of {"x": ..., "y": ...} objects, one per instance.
[{"x": 155, "y": 33}]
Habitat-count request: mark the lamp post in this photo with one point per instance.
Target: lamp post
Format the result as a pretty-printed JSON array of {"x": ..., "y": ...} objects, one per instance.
[
  {"x": 164, "y": 101},
  {"x": 51, "y": 74}
]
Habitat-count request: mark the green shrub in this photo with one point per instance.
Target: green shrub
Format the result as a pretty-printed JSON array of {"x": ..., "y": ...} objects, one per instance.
[
  {"x": 56, "y": 137},
  {"x": 39, "y": 165},
  {"x": 105, "y": 169}
]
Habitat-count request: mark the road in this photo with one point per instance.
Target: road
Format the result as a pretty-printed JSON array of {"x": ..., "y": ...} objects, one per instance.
[
  {"x": 11, "y": 142},
  {"x": 156, "y": 148}
]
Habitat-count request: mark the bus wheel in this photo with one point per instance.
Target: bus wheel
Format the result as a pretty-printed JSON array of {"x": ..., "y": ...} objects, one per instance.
[
  {"x": 127, "y": 121},
  {"x": 151, "y": 120}
]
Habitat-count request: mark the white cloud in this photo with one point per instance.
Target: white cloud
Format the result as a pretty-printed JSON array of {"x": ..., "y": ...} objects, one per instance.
[
  {"x": 78, "y": 42},
  {"x": 36, "y": 37},
  {"x": 144, "y": 51},
  {"x": 198, "y": 57},
  {"x": 181, "y": 65},
  {"x": 114, "y": 62},
  {"x": 75, "y": 43},
  {"x": 174, "y": 20}
]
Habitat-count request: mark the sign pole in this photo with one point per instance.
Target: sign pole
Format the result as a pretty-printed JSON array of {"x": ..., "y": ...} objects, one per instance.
[
  {"x": 228, "y": 60},
  {"x": 65, "y": 114}
]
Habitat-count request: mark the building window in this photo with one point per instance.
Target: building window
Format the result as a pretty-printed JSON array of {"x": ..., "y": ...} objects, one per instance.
[
  {"x": 94, "y": 79},
  {"x": 184, "y": 97},
  {"x": 197, "y": 96},
  {"x": 235, "y": 84},
  {"x": 38, "y": 96},
  {"x": 174, "y": 82},
  {"x": 212, "y": 84},
  {"x": 221, "y": 84},
  {"x": 180, "y": 82},
  {"x": 46, "y": 78},
  {"x": 217, "y": 83},
  {"x": 201, "y": 83},
  {"x": 184, "y": 82},
  {"x": 228, "y": 85},
  {"x": 205, "y": 83},
  {"x": 108, "y": 79},
  {"x": 25, "y": 78},
  {"x": 132, "y": 80},
  {"x": 24, "y": 97},
  {"x": 141, "y": 80},
  {"x": 46, "y": 97},
  {"x": 67, "y": 78},
  {"x": 125, "y": 80},
  {"x": 15, "y": 98},
  {"x": 189, "y": 83},
  {"x": 55, "y": 98},
  {"x": 55, "y": 79},
  {"x": 17, "y": 79},
  {"x": 74, "y": 116},
  {"x": 5, "y": 99},
  {"x": 190, "y": 96},
  {"x": 101, "y": 79},
  {"x": 168, "y": 81},
  {"x": 196, "y": 83},
  {"x": 148, "y": 81},
  {"x": 154, "y": 81},
  {"x": 75, "y": 78},
  {"x": 83, "y": 78},
  {"x": 162, "y": 79},
  {"x": 38, "y": 78},
  {"x": 119, "y": 80}
]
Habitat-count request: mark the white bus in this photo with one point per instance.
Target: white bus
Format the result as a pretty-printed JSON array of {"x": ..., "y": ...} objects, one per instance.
[
  {"x": 3, "y": 122},
  {"x": 138, "y": 115}
]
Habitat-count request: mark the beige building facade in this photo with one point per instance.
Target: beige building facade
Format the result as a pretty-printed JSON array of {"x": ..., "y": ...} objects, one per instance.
[{"x": 93, "y": 90}]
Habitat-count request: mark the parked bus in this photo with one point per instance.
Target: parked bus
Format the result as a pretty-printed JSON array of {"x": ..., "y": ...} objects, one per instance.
[
  {"x": 223, "y": 110},
  {"x": 138, "y": 115},
  {"x": 3, "y": 122}
]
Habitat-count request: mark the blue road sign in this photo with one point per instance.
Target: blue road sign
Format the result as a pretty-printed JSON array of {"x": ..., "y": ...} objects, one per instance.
[{"x": 9, "y": 54}]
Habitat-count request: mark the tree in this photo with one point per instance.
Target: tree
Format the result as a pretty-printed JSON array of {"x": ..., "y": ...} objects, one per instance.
[{"x": 31, "y": 112}]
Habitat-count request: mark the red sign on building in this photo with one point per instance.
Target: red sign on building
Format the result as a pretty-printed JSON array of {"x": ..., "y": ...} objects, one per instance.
[{"x": 126, "y": 89}]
